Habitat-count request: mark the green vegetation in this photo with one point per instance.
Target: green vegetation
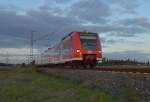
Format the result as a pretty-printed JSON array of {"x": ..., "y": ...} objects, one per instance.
[{"x": 26, "y": 85}]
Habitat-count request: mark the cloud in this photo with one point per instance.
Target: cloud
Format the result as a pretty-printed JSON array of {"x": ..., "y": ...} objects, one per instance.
[
  {"x": 117, "y": 30},
  {"x": 58, "y": 18},
  {"x": 94, "y": 11},
  {"x": 143, "y": 22},
  {"x": 128, "y": 54},
  {"x": 13, "y": 42},
  {"x": 125, "y": 6},
  {"x": 44, "y": 22},
  {"x": 14, "y": 25}
]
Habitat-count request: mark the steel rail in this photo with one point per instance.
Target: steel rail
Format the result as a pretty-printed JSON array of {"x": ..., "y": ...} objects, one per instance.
[{"x": 132, "y": 69}]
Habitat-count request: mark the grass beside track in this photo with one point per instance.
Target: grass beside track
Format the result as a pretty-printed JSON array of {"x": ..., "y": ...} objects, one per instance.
[{"x": 26, "y": 85}]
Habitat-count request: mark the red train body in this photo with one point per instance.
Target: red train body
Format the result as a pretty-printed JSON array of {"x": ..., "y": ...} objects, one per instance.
[{"x": 76, "y": 48}]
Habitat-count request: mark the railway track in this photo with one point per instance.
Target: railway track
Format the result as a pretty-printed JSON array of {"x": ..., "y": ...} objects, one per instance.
[
  {"x": 128, "y": 70},
  {"x": 131, "y": 69}
]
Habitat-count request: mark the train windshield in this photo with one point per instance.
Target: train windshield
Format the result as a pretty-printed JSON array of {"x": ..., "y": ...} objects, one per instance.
[{"x": 88, "y": 41}]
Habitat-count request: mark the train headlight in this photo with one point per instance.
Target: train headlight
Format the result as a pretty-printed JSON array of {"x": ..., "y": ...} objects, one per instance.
[
  {"x": 78, "y": 50},
  {"x": 99, "y": 51}
]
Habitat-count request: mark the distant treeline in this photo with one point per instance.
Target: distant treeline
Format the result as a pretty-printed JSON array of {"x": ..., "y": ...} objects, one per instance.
[
  {"x": 4, "y": 64},
  {"x": 106, "y": 61}
]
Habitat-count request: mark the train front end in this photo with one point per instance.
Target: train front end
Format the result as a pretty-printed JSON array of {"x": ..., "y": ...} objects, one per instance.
[{"x": 89, "y": 49}]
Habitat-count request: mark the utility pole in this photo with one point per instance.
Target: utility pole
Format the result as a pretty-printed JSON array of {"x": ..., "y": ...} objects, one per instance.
[{"x": 31, "y": 45}]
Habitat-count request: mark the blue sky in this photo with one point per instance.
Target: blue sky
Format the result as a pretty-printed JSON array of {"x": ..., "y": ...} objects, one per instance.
[
  {"x": 143, "y": 10},
  {"x": 122, "y": 25},
  {"x": 23, "y": 4}
]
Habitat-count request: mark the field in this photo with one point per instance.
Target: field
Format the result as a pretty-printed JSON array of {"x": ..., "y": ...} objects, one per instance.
[{"x": 27, "y": 85}]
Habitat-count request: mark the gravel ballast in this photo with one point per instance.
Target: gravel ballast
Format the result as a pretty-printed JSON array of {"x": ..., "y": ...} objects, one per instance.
[{"x": 130, "y": 87}]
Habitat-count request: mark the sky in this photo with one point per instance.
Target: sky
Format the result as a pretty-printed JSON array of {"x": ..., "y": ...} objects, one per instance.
[{"x": 123, "y": 25}]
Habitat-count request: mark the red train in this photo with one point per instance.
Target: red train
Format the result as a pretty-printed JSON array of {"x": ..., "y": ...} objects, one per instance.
[{"x": 77, "y": 48}]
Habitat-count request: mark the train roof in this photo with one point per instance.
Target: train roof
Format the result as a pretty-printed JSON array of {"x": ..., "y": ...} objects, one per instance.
[
  {"x": 67, "y": 35},
  {"x": 78, "y": 32}
]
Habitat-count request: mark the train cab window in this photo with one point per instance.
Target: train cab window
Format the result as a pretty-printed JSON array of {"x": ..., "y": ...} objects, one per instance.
[{"x": 88, "y": 41}]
